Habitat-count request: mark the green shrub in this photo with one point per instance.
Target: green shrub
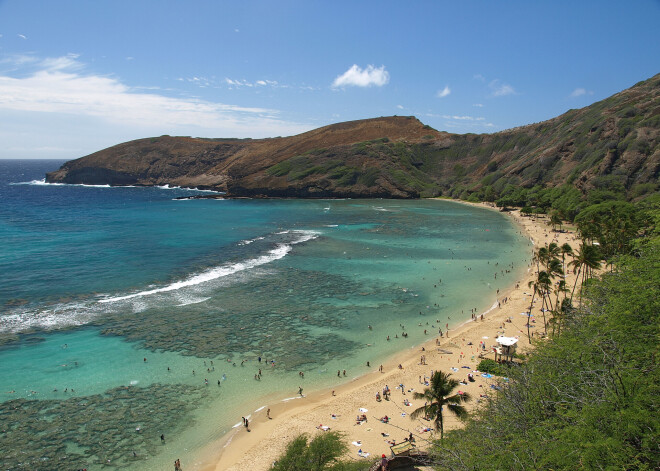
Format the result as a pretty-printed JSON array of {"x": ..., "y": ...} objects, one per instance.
[{"x": 491, "y": 366}]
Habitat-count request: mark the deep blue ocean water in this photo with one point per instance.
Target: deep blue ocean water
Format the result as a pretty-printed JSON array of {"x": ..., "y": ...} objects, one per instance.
[{"x": 111, "y": 297}]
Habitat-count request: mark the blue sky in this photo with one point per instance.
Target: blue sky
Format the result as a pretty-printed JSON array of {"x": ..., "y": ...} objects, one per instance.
[{"x": 79, "y": 76}]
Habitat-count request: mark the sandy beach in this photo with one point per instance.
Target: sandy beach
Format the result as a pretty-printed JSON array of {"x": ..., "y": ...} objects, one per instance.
[{"x": 337, "y": 410}]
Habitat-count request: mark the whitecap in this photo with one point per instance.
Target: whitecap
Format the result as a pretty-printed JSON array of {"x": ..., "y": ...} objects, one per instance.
[
  {"x": 280, "y": 251},
  {"x": 82, "y": 312},
  {"x": 249, "y": 241},
  {"x": 192, "y": 300},
  {"x": 43, "y": 182}
]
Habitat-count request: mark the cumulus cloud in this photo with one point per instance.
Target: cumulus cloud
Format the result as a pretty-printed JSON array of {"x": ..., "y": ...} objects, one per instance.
[
  {"x": 499, "y": 88},
  {"x": 358, "y": 77},
  {"x": 58, "y": 86},
  {"x": 444, "y": 92},
  {"x": 581, "y": 91}
]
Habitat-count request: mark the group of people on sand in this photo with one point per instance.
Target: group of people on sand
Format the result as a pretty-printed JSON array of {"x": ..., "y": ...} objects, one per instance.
[
  {"x": 177, "y": 465},
  {"x": 361, "y": 419}
]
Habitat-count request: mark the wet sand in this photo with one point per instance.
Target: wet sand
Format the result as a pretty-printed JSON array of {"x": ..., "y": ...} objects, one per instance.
[{"x": 258, "y": 449}]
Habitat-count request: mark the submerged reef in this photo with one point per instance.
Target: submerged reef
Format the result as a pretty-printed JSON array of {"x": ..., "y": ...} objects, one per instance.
[
  {"x": 114, "y": 429},
  {"x": 267, "y": 316}
]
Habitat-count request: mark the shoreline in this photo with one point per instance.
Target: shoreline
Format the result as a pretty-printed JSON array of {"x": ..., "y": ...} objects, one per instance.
[{"x": 338, "y": 408}]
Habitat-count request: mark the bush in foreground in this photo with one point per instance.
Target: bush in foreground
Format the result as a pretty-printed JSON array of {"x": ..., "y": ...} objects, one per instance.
[{"x": 322, "y": 453}]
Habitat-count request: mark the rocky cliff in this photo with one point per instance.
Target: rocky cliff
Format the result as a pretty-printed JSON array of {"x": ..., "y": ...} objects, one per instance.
[{"x": 613, "y": 142}]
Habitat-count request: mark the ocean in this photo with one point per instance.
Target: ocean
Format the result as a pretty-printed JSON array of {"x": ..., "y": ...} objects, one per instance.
[{"x": 127, "y": 314}]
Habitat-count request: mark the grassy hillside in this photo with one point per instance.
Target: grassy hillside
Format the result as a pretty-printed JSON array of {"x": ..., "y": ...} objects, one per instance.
[{"x": 610, "y": 145}]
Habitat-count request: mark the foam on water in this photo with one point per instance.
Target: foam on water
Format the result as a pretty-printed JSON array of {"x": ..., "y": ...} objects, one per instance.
[
  {"x": 43, "y": 182},
  {"x": 183, "y": 292},
  {"x": 219, "y": 272}
]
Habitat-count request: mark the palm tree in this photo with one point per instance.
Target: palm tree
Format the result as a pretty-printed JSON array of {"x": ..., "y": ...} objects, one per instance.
[
  {"x": 437, "y": 396},
  {"x": 555, "y": 220},
  {"x": 565, "y": 249},
  {"x": 553, "y": 251},
  {"x": 542, "y": 256},
  {"x": 587, "y": 258},
  {"x": 541, "y": 286}
]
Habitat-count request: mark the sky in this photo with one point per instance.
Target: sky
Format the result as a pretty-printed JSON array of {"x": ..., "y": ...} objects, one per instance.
[{"x": 79, "y": 76}]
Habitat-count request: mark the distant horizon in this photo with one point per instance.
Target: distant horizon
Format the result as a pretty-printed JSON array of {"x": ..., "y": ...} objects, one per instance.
[{"x": 78, "y": 77}]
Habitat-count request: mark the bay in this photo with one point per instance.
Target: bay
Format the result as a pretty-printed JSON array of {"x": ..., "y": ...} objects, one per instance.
[{"x": 111, "y": 297}]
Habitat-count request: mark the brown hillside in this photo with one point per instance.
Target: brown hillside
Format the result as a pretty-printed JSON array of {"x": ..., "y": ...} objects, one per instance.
[
  {"x": 611, "y": 145},
  {"x": 214, "y": 163}
]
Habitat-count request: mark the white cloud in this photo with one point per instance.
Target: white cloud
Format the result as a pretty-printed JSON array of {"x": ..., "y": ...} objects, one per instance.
[
  {"x": 581, "y": 91},
  {"x": 57, "y": 87},
  {"x": 68, "y": 62},
  {"x": 501, "y": 89},
  {"x": 235, "y": 83},
  {"x": 478, "y": 105},
  {"x": 399, "y": 106},
  {"x": 444, "y": 92},
  {"x": 357, "y": 77},
  {"x": 22, "y": 36},
  {"x": 463, "y": 118},
  {"x": 479, "y": 77}
]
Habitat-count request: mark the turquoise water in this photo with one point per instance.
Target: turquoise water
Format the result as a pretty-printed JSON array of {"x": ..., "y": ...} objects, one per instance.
[{"x": 111, "y": 297}]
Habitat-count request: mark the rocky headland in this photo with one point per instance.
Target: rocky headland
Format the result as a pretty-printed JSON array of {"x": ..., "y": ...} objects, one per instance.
[{"x": 612, "y": 143}]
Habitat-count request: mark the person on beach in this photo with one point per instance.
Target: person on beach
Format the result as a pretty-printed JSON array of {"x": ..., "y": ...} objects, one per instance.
[
  {"x": 300, "y": 390},
  {"x": 268, "y": 413},
  {"x": 383, "y": 463}
]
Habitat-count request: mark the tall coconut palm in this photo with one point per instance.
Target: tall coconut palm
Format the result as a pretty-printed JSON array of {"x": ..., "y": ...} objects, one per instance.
[
  {"x": 541, "y": 286},
  {"x": 586, "y": 260},
  {"x": 555, "y": 220},
  {"x": 542, "y": 257},
  {"x": 565, "y": 249},
  {"x": 437, "y": 396},
  {"x": 553, "y": 251}
]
